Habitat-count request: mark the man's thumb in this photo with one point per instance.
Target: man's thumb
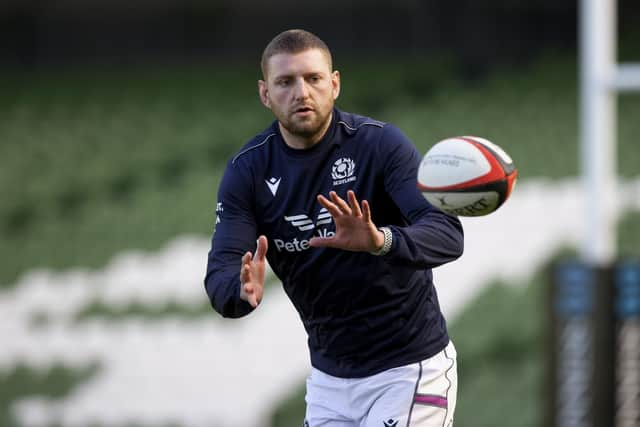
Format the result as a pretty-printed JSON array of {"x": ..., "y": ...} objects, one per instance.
[{"x": 261, "y": 250}]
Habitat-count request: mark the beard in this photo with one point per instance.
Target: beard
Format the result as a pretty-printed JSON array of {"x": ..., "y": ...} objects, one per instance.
[{"x": 306, "y": 126}]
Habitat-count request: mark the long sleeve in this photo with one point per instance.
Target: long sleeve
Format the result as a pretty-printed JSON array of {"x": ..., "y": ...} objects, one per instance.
[
  {"x": 432, "y": 237},
  {"x": 234, "y": 235}
]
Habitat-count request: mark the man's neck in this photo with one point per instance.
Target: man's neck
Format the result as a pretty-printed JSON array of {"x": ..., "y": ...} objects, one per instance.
[{"x": 301, "y": 142}]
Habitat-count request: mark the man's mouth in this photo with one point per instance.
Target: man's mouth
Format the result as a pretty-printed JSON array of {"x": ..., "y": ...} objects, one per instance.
[{"x": 303, "y": 110}]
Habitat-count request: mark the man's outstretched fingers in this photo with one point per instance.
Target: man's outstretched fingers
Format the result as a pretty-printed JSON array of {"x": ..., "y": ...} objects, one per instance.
[
  {"x": 248, "y": 289},
  {"x": 366, "y": 211},
  {"x": 338, "y": 201},
  {"x": 245, "y": 267},
  {"x": 251, "y": 299},
  {"x": 329, "y": 206},
  {"x": 353, "y": 202},
  {"x": 245, "y": 273}
]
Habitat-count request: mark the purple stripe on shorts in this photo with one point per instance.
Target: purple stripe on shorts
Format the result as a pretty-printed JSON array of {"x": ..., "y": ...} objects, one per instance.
[{"x": 432, "y": 400}]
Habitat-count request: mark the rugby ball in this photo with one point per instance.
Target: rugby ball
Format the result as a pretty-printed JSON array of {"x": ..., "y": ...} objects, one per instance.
[{"x": 466, "y": 176}]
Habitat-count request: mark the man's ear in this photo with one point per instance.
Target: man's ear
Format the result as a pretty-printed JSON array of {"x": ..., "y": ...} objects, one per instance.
[
  {"x": 335, "y": 82},
  {"x": 263, "y": 91}
]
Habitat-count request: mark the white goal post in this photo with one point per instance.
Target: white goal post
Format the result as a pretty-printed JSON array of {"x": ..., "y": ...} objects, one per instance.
[{"x": 601, "y": 78}]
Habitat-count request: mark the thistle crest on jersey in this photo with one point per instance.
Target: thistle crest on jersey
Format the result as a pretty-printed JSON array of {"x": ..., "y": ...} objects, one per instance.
[{"x": 343, "y": 170}]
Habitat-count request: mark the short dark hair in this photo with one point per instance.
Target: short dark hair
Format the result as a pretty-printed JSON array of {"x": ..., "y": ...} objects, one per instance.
[{"x": 293, "y": 41}]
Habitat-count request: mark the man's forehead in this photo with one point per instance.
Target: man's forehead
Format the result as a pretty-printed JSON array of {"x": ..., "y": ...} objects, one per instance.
[{"x": 311, "y": 60}]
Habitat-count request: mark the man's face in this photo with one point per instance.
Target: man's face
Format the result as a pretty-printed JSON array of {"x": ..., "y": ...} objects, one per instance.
[{"x": 301, "y": 89}]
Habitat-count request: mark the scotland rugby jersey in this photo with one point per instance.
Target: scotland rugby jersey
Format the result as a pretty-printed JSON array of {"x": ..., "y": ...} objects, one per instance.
[{"x": 363, "y": 313}]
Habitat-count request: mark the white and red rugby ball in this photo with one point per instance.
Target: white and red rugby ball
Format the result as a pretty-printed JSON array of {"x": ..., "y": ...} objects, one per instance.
[{"x": 466, "y": 176}]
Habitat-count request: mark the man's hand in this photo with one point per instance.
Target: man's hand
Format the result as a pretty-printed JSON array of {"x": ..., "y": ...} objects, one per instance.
[
  {"x": 354, "y": 229},
  {"x": 252, "y": 274}
]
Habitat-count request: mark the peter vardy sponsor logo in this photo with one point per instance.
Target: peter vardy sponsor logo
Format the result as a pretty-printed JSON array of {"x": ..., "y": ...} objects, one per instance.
[
  {"x": 303, "y": 223},
  {"x": 342, "y": 171},
  {"x": 296, "y": 245}
]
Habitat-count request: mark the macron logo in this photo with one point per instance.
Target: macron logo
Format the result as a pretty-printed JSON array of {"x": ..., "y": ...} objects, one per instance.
[
  {"x": 273, "y": 184},
  {"x": 304, "y": 223}
]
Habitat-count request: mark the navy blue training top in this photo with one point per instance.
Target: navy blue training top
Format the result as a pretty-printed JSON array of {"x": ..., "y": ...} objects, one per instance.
[{"x": 363, "y": 313}]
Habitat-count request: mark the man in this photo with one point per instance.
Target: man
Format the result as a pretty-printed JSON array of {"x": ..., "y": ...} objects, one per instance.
[{"x": 357, "y": 271}]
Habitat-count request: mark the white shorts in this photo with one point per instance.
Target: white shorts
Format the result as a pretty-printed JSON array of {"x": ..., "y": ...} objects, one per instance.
[{"x": 417, "y": 395}]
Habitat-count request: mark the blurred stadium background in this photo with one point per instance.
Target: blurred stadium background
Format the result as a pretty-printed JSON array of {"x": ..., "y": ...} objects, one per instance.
[{"x": 116, "y": 120}]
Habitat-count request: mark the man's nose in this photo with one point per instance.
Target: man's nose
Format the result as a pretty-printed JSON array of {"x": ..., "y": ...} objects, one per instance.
[{"x": 301, "y": 90}]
